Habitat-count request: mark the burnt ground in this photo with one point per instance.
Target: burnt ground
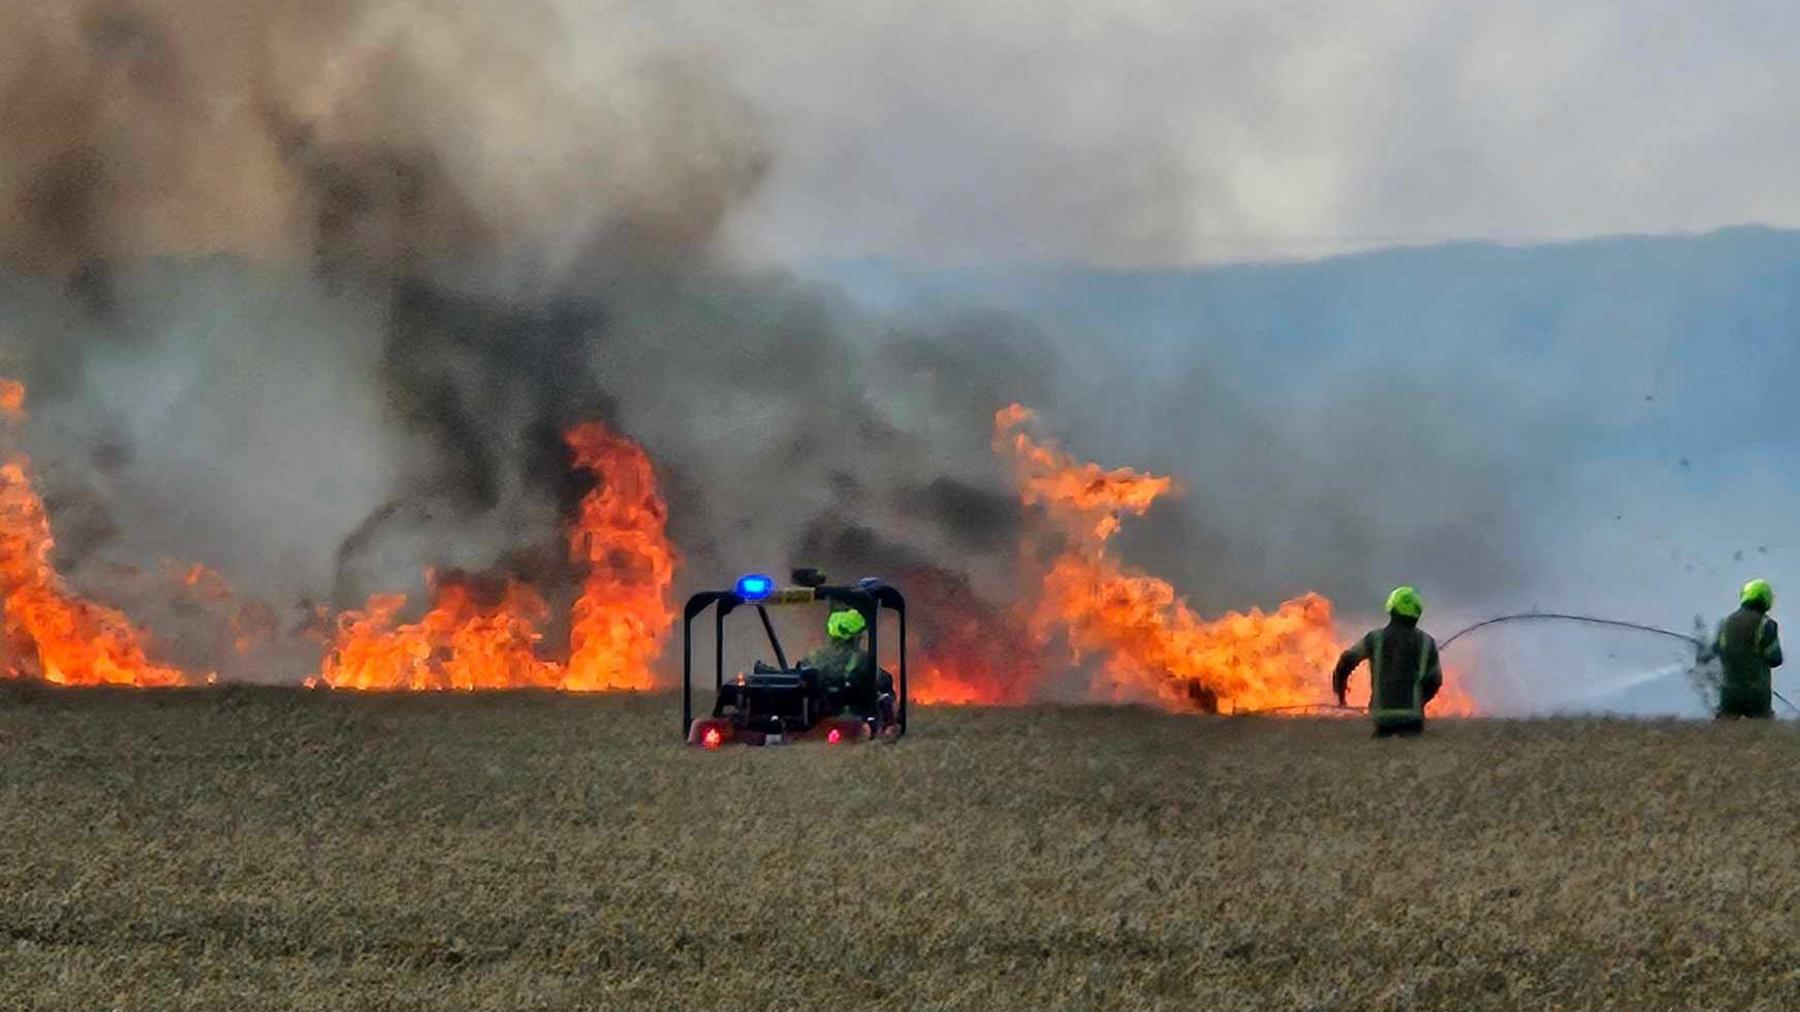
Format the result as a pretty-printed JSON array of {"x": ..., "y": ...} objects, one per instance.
[{"x": 261, "y": 849}]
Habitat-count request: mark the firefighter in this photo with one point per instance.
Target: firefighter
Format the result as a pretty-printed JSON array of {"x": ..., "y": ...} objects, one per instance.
[
  {"x": 841, "y": 659},
  {"x": 843, "y": 663},
  {"x": 1403, "y": 667},
  {"x": 1749, "y": 648}
]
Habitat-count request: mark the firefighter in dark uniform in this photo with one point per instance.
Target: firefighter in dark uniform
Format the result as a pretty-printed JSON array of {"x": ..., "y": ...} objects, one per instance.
[
  {"x": 1403, "y": 667},
  {"x": 843, "y": 663},
  {"x": 1749, "y": 649}
]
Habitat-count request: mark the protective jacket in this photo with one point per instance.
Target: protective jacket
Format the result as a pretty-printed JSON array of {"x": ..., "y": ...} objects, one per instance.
[
  {"x": 844, "y": 665},
  {"x": 1403, "y": 672},
  {"x": 1749, "y": 647}
]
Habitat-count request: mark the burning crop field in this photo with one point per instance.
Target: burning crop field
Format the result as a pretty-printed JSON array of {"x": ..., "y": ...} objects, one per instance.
[
  {"x": 382, "y": 347},
  {"x": 484, "y": 632},
  {"x": 381, "y": 379}
]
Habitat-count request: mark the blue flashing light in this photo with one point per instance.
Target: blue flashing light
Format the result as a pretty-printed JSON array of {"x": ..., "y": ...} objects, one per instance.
[{"x": 755, "y": 587}]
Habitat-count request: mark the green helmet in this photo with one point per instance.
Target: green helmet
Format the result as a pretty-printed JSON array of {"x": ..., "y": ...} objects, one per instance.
[
  {"x": 1758, "y": 592},
  {"x": 1406, "y": 603},
  {"x": 845, "y": 625}
]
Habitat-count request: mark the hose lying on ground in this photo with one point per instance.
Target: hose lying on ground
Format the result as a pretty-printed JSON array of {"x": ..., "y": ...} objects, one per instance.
[{"x": 1532, "y": 616}]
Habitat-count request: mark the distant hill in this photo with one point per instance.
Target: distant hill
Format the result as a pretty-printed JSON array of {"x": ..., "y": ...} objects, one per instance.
[{"x": 1684, "y": 317}]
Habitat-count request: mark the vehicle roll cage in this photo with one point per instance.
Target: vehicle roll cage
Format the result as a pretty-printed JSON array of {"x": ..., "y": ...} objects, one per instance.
[{"x": 866, "y": 601}]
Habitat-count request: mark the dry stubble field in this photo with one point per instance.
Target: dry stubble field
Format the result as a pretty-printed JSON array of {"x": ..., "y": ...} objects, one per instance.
[{"x": 257, "y": 849}]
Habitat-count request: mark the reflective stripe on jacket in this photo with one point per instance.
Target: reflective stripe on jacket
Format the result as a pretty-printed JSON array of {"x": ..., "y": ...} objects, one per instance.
[
  {"x": 1404, "y": 672},
  {"x": 1749, "y": 648}
]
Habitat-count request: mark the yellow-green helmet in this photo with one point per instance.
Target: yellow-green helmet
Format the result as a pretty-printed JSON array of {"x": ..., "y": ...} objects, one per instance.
[
  {"x": 845, "y": 625},
  {"x": 1758, "y": 592},
  {"x": 1406, "y": 603}
]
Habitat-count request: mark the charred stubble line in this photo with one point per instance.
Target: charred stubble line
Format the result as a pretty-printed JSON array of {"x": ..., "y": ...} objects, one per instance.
[{"x": 258, "y": 849}]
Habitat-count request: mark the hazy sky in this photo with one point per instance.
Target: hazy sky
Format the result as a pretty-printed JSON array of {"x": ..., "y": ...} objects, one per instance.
[{"x": 1181, "y": 131}]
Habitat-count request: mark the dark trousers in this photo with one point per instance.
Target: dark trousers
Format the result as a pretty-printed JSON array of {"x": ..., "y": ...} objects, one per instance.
[
  {"x": 1402, "y": 729},
  {"x": 1745, "y": 701}
]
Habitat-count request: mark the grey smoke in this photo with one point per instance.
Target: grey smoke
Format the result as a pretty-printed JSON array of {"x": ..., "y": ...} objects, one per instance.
[
  {"x": 1175, "y": 132},
  {"x": 309, "y": 294}
]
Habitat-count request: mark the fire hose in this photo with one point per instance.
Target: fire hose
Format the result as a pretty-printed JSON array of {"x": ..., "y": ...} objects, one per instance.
[{"x": 1700, "y": 647}]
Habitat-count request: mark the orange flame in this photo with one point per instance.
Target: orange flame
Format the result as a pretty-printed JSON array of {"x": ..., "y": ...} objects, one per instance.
[
  {"x": 971, "y": 651},
  {"x": 471, "y": 640},
  {"x": 1453, "y": 700},
  {"x": 12, "y": 400},
  {"x": 1084, "y": 492},
  {"x": 946, "y": 683},
  {"x": 1149, "y": 642},
  {"x": 463, "y": 642},
  {"x": 624, "y": 614},
  {"x": 51, "y": 633}
]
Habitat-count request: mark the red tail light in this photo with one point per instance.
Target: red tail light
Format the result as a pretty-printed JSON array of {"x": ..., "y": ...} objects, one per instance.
[
  {"x": 835, "y": 735},
  {"x": 712, "y": 737}
]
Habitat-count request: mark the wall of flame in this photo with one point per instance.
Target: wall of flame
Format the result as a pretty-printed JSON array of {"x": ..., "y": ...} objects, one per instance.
[{"x": 1129, "y": 633}]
